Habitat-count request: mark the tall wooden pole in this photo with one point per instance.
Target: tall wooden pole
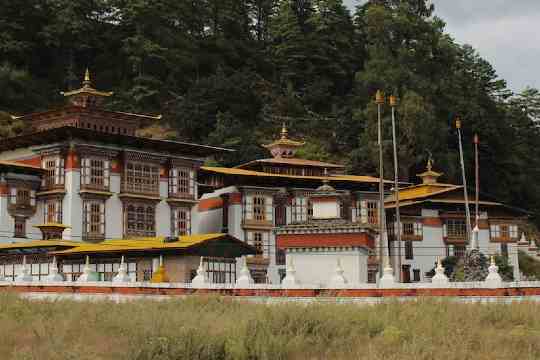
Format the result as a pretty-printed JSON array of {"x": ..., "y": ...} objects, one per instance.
[
  {"x": 465, "y": 194},
  {"x": 477, "y": 179},
  {"x": 393, "y": 104},
  {"x": 379, "y": 99},
  {"x": 476, "y": 230}
]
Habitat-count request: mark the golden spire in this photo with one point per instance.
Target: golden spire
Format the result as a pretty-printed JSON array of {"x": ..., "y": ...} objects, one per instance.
[
  {"x": 430, "y": 163},
  {"x": 284, "y": 132},
  {"x": 86, "y": 91},
  {"x": 87, "y": 81},
  {"x": 429, "y": 176}
]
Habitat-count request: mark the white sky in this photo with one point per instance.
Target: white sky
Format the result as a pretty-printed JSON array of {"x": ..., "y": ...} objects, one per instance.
[{"x": 505, "y": 32}]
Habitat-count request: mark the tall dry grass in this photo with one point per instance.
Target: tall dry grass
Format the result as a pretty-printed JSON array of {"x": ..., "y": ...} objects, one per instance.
[{"x": 219, "y": 328}]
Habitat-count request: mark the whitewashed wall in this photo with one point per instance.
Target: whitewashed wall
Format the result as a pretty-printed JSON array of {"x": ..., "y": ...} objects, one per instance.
[{"x": 317, "y": 267}]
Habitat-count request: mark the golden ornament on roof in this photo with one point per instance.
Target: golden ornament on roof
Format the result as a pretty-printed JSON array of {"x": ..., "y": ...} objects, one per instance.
[
  {"x": 379, "y": 97},
  {"x": 393, "y": 100}
]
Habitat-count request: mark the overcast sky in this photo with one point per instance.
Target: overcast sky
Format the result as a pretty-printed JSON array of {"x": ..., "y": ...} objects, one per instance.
[{"x": 505, "y": 32}]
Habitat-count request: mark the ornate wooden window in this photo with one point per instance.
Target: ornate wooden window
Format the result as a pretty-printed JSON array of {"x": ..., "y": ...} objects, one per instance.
[
  {"x": 22, "y": 197},
  {"x": 369, "y": 211},
  {"x": 95, "y": 173},
  {"x": 503, "y": 232},
  {"x": 53, "y": 211},
  {"x": 54, "y": 172},
  {"x": 141, "y": 178},
  {"x": 261, "y": 241},
  {"x": 220, "y": 270},
  {"x": 459, "y": 251},
  {"x": 455, "y": 229},
  {"x": 409, "y": 255},
  {"x": 281, "y": 215},
  {"x": 182, "y": 182},
  {"x": 140, "y": 219},
  {"x": 302, "y": 208},
  {"x": 258, "y": 207},
  {"x": 94, "y": 220},
  {"x": 20, "y": 227},
  {"x": 181, "y": 221},
  {"x": 411, "y": 230},
  {"x": 259, "y": 210}
]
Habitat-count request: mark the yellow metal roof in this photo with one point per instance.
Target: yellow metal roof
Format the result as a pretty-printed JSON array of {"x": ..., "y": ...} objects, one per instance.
[
  {"x": 52, "y": 225},
  {"x": 243, "y": 172},
  {"x": 423, "y": 191},
  {"x": 150, "y": 243},
  {"x": 38, "y": 244}
]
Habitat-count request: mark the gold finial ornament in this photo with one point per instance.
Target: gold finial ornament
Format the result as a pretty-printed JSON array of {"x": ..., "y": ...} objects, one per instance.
[
  {"x": 393, "y": 100},
  {"x": 87, "y": 81},
  {"x": 430, "y": 162},
  {"x": 284, "y": 131},
  {"x": 379, "y": 97},
  {"x": 458, "y": 123}
]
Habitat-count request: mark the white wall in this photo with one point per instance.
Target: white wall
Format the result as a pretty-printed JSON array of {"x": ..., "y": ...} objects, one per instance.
[
  {"x": 208, "y": 221},
  {"x": 318, "y": 267},
  {"x": 114, "y": 210},
  {"x": 72, "y": 214},
  {"x": 326, "y": 210}
]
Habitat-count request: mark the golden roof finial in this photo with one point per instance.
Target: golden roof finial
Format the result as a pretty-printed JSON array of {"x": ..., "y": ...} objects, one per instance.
[
  {"x": 379, "y": 97},
  {"x": 393, "y": 100},
  {"x": 458, "y": 122},
  {"x": 87, "y": 81},
  {"x": 284, "y": 131}
]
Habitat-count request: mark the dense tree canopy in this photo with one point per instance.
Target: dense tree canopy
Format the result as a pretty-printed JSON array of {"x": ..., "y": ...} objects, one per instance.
[{"x": 229, "y": 72}]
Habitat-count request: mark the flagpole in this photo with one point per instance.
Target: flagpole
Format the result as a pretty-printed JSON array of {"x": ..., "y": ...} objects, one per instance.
[
  {"x": 477, "y": 175},
  {"x": 393, "y": 104},
  {"x": 379, "y": 99},
  {"x": 465, "y": 194}
]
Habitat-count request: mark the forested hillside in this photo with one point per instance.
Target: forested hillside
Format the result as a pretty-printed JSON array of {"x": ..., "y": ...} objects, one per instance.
[{"x": 229, "y": 72}]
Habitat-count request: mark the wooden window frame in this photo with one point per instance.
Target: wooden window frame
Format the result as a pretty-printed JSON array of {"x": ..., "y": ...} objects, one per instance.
[
  {"x": 455, "y": 229},
  {"x": 259, "y": 208},
  {"x": 54, "y": 176},
  {"x": 504, "y": 232},
  {"x": 261, "y": 241},
  {"x": 409, "y": 250},
  {"x": 139, "y": 220},
  {"x": 94, "y": 219},
  {"x": 19, "y": 227},
  {"x": 141, "y": 178},
  {"x": 52, "y": 211},
  {"x": 220, "y": 270},
  {"x": 301, "y": 208},
  {"x": 181, "y": 221},
  {"x": 367, "y": 211},
  {"x": 95, "y": 173},
  {"x": 182, "y": 182}
]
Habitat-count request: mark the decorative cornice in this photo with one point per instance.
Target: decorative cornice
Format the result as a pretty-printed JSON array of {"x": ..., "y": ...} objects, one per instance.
[{"x": 131, "y": 155}]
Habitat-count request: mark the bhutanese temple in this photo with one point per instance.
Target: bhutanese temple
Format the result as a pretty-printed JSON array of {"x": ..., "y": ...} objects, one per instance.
[{"x": 83, "y": 191}]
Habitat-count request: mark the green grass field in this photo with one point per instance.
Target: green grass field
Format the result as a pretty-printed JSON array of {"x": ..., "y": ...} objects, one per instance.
[{"x": 218, "y": 328}]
